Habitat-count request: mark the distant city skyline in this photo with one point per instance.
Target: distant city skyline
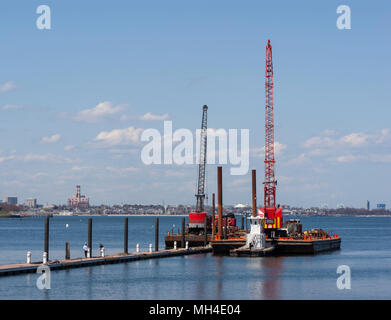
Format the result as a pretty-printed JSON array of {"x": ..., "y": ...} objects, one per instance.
[{"x": 75, "y": 99}]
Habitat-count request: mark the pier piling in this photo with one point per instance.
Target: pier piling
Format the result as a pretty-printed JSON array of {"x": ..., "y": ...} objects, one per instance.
[
  {"x": 67, "y": 251},
  {"x": 90, "y": 236},
  {"x": 220, "y": 200},
  {"x": 205, "y": 233},
  {"x": 126, "y": 235},
  {"x": 254, "y": 189},
  {"x": 213, "y": 216},
  {"x": 225, "y": 228},
  {"x": 157, "y": 234},
  {"x": 183, "y": 233},
  {"x": 46, "y": 237}
]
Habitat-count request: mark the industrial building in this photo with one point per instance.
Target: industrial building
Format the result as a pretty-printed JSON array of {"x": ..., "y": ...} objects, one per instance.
[
  {"x": 78, "y": 200},
  {"x": 10, "y": 200},
  {"x": 31, "y": 203}
]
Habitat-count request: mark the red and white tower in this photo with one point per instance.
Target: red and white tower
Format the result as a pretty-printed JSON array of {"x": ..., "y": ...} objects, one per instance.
[
  {"x": 272, "y": 214},
  {"x": 270, "y": 182}
]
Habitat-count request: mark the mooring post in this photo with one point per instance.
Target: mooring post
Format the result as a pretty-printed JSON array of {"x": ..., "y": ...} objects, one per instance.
[
  {"x": 226, "y": 228},
  {"x": 126, "y": 235},
  {"x": 205, "y": 233},
  {"x": 157, "y": 234},
  {"x": 90, "y": 236},
  {"x": 213, "y": 216},
  {"x": 67, "y": 251},
  {"x": 254, "y": 189},
  {"x": 46, "y": 241},
  {"x": 28, "y": 257},
  {"x": 220, "y": 201},
  {"x": 183, "y": 233}
]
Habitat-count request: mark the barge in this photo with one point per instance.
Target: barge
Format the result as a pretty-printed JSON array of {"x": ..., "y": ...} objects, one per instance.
[{"x": 289, "y": 240}]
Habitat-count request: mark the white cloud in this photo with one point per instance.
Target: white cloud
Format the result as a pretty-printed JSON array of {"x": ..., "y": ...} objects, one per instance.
[
  {"x": 77, "y": 168},
  {"x": 7, "y": 86},
  {"x": 319, "y": 142},
  {"x": 175, "y": 173},
  {"x": 239, "y": 182},
  {"x": 99, "y": 112},
  {"x": 119, "y": 136},
  {"x": 46, "y": 158},
  {"x": 11, "y": 107},
  {"x": 355, "y": 139},
  {"x": 260, "y": 152},
  {"x": 2, "y": 159},
  {"x": 345, "y": 158},
  {"x": 301, "y": 159},
  {"x": 68, "y": 147},
  {"x": 350, "y": 140},
  {"x": 151, "y": 116},
  {"x": 122, "y": 171},
  {"x": 51, "y": 139}
]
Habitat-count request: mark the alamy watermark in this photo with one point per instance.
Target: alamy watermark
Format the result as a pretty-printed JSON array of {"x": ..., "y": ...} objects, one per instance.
[
  {"x": 160, "y": 148},
  {"x": 44, "y": 280},
  {"x": 344, "y": 19},
  {"x": 44, "y": 21},
  {"x": 344, "y": 280}
]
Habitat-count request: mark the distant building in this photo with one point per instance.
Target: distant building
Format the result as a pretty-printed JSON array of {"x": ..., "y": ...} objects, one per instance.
[
  {"x": 78, "y": 200},
  {"x": 10, "y": 200},
  {"x": 368, "y": 205},
  {"x": 31, "y": 203},
  {"x": 381, "y": 206}
]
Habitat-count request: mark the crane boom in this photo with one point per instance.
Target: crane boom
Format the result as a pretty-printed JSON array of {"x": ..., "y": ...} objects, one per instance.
[
  {"x": 270, "y": 183},
  {"x": 273, "y": 215},
  {"x": 202, "y": 165}
]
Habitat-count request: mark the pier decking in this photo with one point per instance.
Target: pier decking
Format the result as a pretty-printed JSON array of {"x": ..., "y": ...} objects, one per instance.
[{"x": 14, "y": 269}]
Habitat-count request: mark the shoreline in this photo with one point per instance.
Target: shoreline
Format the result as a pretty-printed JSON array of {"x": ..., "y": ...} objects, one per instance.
[{"x": 25, "y": 215}]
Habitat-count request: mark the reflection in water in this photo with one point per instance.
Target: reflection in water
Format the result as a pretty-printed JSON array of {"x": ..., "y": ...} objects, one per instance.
[
  {"x": 200, "y": 264},
  {"x": 272, "y": 284},
  {"x": 124, "y": 284},
  {"x": 265, "y": 282},
  {"x": 219, "y": 276},
  {"x": 89, "y": 280}
]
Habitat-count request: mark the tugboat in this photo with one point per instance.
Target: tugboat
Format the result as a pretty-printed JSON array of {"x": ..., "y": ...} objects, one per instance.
[{"x": 256, "y": 245}]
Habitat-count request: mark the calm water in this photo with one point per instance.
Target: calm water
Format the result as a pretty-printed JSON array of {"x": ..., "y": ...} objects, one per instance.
[{"x": 365, "y": 249}]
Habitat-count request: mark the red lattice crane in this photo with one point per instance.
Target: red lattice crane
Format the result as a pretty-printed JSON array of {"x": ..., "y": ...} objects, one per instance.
[{"x": 272, "y": 214}]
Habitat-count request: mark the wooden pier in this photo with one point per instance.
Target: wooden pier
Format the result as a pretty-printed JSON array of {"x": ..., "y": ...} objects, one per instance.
[{"x": 14, "y": 269}]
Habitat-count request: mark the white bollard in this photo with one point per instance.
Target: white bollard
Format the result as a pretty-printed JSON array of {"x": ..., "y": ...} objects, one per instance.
[
  {"x": 102, "y": 252},
  {"x": 88, "y": 253},
  {"x": 174, "y": 245},
  {"x": 28, "y": 257},
  {"x": 187, "y": 244},
  {"x": 138, "y": 247},
  {"x": 45, "y": 258},
  {"x": 150, "y": 247}
]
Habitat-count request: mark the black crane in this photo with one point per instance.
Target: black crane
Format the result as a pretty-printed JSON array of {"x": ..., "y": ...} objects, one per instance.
[{"x": 200, "y": 196}]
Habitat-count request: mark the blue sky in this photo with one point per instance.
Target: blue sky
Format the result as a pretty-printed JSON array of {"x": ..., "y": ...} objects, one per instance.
[{"x": 167, "y": 59}]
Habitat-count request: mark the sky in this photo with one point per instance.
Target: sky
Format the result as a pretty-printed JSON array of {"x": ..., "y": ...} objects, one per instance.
[{"x": 75, "y": 99}]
